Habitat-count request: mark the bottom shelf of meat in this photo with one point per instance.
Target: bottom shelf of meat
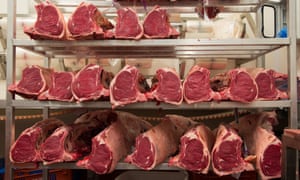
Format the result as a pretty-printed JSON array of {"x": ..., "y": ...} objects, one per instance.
[{"x": 105, "y": 140}]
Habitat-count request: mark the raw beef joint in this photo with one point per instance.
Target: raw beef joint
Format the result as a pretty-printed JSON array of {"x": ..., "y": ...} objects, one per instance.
[
  {"x": 166, "y": 87},
  {"x": 87, "y": 84},
  {"x": 35, "y": 80},
  {"x": 128, "y": 25},
  {"x": 113, "y": 143},
  {"x": 60, "y": 89},
  {"x": 227, "y": 153},
  {"x": 26, "y": 148},
  {"x": 157, "y": 144},
  {"x": 196, "y": 86},
  {"x": 195, "y": 148},
  {"x": 235, "y": 85},
  {"x": 87, "y": 22},
  {"x": 156, "y": 24},
  {"x": 50, "y": 23},
  {"x": 71, "y": 142},
  {"x": 128, "y": 86}
]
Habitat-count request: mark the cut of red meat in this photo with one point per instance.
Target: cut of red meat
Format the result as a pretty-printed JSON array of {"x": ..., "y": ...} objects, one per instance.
[
  {"x": 113, "y": 143},
  {"x": 50, "y": 23},
  {"x": 60, "y": 89},
  {"x": 128, "y": 25},
  {"x": 71, "y": 142},
  {"x": 265, "y": 80},
  {"x": 157, "y": 144},
  {"x": 26, "y": 148},
  {"x": 195, "y": 148},
  {"x": 236, "y": 85},
  {"x": 167, "y": 88},
  {"x": 35, "y": 80},
  {"x": 156, "y": 24},
  {"x": 87, "y": 84},
  {"x": 126, "y": 87},
  {"x": 87, "y": 22},
  {"x": 196, "y": 86},
  {"x": 227, "y": 153}
]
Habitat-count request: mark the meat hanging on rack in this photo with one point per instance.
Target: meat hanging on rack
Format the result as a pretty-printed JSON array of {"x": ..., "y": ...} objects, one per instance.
[
  {"x": 50, "y": 23},
  {"x": 235, "y": 85},
  {"x": 71, "y": 142},
  {"x": 156, "y": 24},
  {"x": 89, "y": 83},
  {"x": 227, "y": 152},
  {"x": 195, "y": 148},
  {"x": 34, "y": 82},
  {"x": 128, "y": 86},
  {"x": 196, "y": 86},
  {"x": 158, "y": 143},
  {"x": 166, "y": 87},
  {"x": 27, "y": 146},
  {"x": 113, "y": 143},
  {"x": 87, "y": 22}
]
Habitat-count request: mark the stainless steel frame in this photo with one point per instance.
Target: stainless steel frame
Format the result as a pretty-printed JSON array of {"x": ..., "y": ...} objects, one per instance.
[{"x": 239, "y": 49}]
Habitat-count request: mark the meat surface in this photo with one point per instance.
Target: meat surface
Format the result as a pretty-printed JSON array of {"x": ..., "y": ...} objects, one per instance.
[
  {"x": 87, "y": 22},
  {"x": 35, "y": 80},
  {"x": 128, "y": 25},
  {"x": 166, "y": 87},
  {"x": 265, "y": 80},
  {"x": 71, "y": 142},
  {"x": 60, "y": 89},
  {"x": 157, "y": 144},
  {"x": 227, "y": 153},
  {"x": 156, "y": 24},
  {"x": 26, "y": 148},
  {"x": 235, "y": 85},
  {"x": 113, "y": 143},
  {"x": 128, "y": 86},
  {"x": 196, "y": 86},
  {"x": 87, "y": 84},
  {"x": 50, "y": 23},
  {"x": 195, "y": 148}
]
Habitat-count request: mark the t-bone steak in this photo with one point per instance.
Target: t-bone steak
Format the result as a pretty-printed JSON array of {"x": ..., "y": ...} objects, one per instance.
[
  {"x": 157, "y": 144},
  {"x": 50, "y": 23},
  {"x": 113, "y": 143},
  {"x": 156, "y": 24},
  {"x": 196, "y": 86},
  {"x": 26, "y": 148},
  {"x": 195, "y": 148}
]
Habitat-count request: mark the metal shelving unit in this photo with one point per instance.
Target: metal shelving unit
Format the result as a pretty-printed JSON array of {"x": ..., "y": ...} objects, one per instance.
[{"x": 239, "y": 49}]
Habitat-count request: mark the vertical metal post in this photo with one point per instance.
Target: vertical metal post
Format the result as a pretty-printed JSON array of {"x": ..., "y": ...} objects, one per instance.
[{"x": 10, "y": 72}]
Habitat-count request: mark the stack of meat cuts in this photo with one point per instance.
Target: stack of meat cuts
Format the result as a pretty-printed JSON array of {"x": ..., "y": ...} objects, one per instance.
[{"x": 157, "y": 144}]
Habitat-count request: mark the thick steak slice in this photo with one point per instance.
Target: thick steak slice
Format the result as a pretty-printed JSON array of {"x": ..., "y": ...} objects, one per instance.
[
  {"x": 113, "y": 143},
  {"x": 71, "y": 142},
  {"x": 128, "y": 86},
  {"x": 156, "y": 24},
  {"x": 35, "y": 80},
  {"x": 235, "y": 85},
  {"x": 128, "y": 25},
  {"x": 26, "y": 148},
  {"x": 166, "y": 87},
  {"x": 196, "y": 86},
  {"x": 87, "y": 84},
  {"x": 60, "y": 89},
  {"x": 87, "y": 22},
  {"x": 195, "y": 148},
  {"x": 227, "y": 153},
  {"x": 50, "y": 23},
  {"x": 157, "y": 144}
]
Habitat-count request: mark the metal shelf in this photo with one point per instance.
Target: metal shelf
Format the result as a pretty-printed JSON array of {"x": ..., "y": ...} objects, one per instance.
[
  {"x": 34, "y": 104},
  {"x": 242, "y": 49}
]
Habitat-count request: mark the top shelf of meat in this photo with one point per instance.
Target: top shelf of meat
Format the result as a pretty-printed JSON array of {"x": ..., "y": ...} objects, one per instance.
[{"x": 246, "y": 49}]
